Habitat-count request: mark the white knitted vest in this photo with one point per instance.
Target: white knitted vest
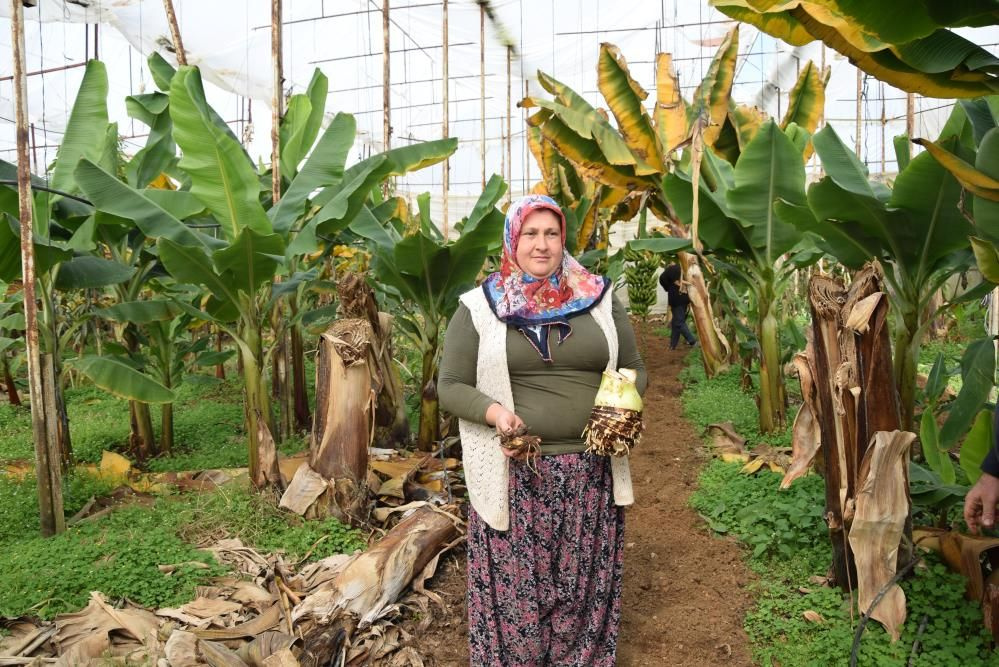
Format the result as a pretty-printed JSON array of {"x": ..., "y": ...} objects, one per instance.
[{"x": 486, "y": 468}]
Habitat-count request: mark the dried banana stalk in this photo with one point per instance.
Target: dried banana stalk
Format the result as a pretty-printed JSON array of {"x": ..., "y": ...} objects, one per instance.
[{"x": 615, "y": 424}]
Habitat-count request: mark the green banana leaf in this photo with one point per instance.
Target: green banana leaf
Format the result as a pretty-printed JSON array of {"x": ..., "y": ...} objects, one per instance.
[
  {"x": 86, "y": 128},
  {"x": 118, "y": 378},
  {"x": 112, "y": 196},
  {"x": 221, "y": 175}
]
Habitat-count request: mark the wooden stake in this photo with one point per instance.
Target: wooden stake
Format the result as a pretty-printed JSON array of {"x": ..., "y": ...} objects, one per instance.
[
  {"x": 178, "y": 44},
  {"x": 910, "y": 115},
  {"x": 47, "y": 458},
  {"x": 445, "y": 130},
  {"x": 482, "y": 89},
  {"x": 509, "y": 133},
  {"x": 277, "y": 99}
]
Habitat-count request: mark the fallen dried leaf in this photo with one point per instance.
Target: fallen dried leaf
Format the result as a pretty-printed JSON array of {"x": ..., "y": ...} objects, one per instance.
[{"x": 813, "y": 616}]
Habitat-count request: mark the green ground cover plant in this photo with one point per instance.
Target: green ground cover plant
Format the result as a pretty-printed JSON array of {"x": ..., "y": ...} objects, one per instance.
[
  {"x": 786, "y": 544},
  {"x": 119, "y": 554}
]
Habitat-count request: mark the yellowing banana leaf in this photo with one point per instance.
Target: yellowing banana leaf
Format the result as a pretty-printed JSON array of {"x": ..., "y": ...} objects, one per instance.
[
  {"x": 585, "y": 154},
  {"x": 670, "y": 115},
  {"x": 114, "y": 466},
  {"x": 781, "y": 25},
  {"x": 711, "y": 98},
  {"x": 971, "y": 179},
  {"x": 587, "y": 122},
  {"x": 747, "y": 121},
  {"x": 806, "y": 101},
  {"x": 625, "y": 97}
]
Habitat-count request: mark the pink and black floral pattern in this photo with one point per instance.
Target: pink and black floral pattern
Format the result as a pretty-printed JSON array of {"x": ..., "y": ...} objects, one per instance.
[{"x": 548, "y": 591}]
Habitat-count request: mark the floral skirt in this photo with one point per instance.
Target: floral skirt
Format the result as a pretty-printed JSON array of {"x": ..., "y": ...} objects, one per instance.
[{"x": 548, "y": 591}]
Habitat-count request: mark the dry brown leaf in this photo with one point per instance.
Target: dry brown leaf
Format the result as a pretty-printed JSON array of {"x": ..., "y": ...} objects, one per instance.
[
  {"x": 725, "y": 439},
  {"x": 306, "y": 486},
  {"x": 283, "y": 658},
  {"x": 85, "y": 651},
  {"x": 99, "y": 618},
  {"x": 210, "y": 608},
  {"x": 265, "y": 621},
  {"x": 813, "y": 616},
  {"x": 217, "y": 655},
  {"x": 806, "y": 433},
  {"x": 383, "y": 513},
  {"x": 182, "y": 649},
  {"x": 265, "y": 645},
  {"x": 186, "y": 619},
  {"x": 250, "y": 593},
  {"x": 880, "y": 514},
  {"x": 394, "y": 488}
]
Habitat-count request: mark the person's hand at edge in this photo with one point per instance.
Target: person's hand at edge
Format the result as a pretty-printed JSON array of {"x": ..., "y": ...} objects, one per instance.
[{"x": 980, "y": 503}]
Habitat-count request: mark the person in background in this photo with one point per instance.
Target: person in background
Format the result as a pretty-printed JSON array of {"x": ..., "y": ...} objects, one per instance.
[
  {"x": 679, "y": 302},
  {"x": 545, "y": 538}
]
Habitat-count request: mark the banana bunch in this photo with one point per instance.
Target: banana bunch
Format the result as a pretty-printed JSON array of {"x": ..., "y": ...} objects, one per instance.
[{"x": 640, "y": 277}]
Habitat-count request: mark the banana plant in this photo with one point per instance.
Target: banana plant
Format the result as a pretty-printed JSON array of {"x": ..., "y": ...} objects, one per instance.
[
  {"x": 11, "y": 340},
  {"x": 65, "y": 227},
  {"x": 255, "y": 243},
  {"x": 427, "y": 273},
  {"x": 761, "y": 248},
  {"x": 915, "y": 229},
  {"x": 905, "y": 44},
  {"x": 972, "y": 162}
]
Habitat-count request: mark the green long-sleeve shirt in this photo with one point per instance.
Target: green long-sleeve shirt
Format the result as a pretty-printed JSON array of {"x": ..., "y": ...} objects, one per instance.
[{"x": 553, "y": 399}]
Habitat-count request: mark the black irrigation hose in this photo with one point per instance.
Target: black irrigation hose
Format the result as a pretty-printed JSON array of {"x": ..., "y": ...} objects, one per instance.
[
  {"x": 874, "y": 603},
  {"x": 915, "y": 644},
  {"x": 8, "y": 181}
]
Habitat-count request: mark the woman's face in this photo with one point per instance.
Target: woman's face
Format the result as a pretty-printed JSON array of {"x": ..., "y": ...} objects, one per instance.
[{"x": 539, "y": 248}]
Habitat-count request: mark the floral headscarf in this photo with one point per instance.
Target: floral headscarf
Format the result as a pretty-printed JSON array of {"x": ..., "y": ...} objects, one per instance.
[{"x": 533, "y": 304}]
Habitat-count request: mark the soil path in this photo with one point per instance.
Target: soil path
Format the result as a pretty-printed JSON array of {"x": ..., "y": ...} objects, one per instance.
[{"x": 684, "y": 591}]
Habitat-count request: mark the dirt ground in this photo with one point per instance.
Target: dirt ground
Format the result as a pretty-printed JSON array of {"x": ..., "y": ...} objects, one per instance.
[{"x": 684, "y": 591}]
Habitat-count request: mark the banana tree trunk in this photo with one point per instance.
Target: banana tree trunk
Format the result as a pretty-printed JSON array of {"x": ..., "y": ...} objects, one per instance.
[
  {"x": 142, "y": 439},
  {"x": 714, "y": 346},
  {"x": 257, "y": 408},
  {"x": 49, "y": 328},
  {"x": 166, "y": 428},
  {"x": 906, "y": 365},
  {"x": 220, "y": 368},
  {"x": 166, "y": 420},
  {"x": 393, "y": 422},
  {"x": 429, "y": 430},
  {"x": 772, "y": 404},
  {"x": 303, "y": 418},
  {"x": 335, "y": 481},
  {"x": 9, "y": 384},
  {"x": 855, "y": 398}
]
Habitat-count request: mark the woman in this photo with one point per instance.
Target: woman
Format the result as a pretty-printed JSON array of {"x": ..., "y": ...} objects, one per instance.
[
  {"x": 678, "y": 301},
  {"x": 545, "y": 542}
]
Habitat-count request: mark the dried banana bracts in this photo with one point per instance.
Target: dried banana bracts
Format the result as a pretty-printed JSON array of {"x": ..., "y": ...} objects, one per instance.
[
  {"x": 527, "y": 447},
  {"x": 615, "y": 424}
]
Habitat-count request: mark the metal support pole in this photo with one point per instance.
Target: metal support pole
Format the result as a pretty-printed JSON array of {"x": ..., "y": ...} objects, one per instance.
[
  {"x": 482, "y": 90},
  {"x": 47, "y": 458},
  {"x": 277, "y": 100},
  {"x": 860, "y": 90},
  {"x": 178, "y": 44},
  {"x": 445, "y": 130}
]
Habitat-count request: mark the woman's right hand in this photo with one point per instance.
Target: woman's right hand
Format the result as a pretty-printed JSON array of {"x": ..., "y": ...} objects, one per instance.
[{"x": 506, "y": 422}]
